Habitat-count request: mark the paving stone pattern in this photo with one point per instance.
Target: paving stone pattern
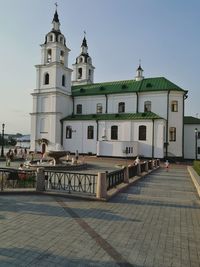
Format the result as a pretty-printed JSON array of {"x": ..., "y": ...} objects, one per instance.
[{"x": 156, "y": 222}]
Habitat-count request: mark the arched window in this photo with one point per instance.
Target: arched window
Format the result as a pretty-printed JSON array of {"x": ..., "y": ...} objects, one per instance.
[
  {"x": 174, "y": 106},
  {"x": 80, "y": 59},
  {"x": 142, "y": 132},
  {"x": 90, "y": 72},
  {"x": 79, "y": 73},
  {"x": 90, "y": 132},
  {"x": 63, "y": 80},
  {"x": 121, "y": 107},
  {"x": 172, "y": 134},
  {"x": 79, "y": 109},
  {"x": 147, "y": 106},
  {"x": 114, "y": 132},
  {"x": 46, "y": 78},
  {"x": 62, "y": 54},
  {"x": 49, "y": 58},
  {"x": 99, "y": 108},
  {"x": 51, "y": 38},
  {"x": 68, "y": 132}
]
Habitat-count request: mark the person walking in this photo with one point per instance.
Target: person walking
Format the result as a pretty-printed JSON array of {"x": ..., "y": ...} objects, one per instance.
[{"x": 167, "y": 165}]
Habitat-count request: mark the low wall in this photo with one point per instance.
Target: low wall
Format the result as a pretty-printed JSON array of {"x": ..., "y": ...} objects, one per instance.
[{"x": 195, "y": 178}]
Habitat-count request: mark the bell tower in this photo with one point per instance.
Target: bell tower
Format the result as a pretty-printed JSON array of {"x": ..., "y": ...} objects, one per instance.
[
  {"x": 52, "y": 97},
  {"x": 83, "y": 68}
]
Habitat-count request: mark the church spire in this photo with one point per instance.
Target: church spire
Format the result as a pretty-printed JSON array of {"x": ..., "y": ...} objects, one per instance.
[
  {"x": 139, "y": 73},
  {"x": 55, "y": 21}
]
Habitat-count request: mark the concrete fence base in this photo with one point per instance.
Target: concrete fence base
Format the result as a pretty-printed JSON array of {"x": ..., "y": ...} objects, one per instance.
[
  {"x": 40, "y": 180},
  {"x": 101, "y": 185}
]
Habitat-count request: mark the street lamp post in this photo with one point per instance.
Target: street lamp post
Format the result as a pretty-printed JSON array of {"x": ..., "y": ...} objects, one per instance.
[
  {"x": 196, "y": 132},
  {"x": 2, "y": 145}
]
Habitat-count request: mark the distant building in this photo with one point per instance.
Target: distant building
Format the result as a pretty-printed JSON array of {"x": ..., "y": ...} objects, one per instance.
[
  {"x": 23, "y": 141},
  {"x": 140, "y": 116}
]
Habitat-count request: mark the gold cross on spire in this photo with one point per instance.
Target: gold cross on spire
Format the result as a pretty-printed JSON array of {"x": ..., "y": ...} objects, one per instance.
[{"x": 56, "y": 4}]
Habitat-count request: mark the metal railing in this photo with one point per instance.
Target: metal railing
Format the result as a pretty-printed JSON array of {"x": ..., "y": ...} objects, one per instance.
[
  {"x": 132, "y": 171},
  {"x": 13, "y": 179},
  {"x": 71, "y": 182},
  {"x": 142, "y": 166},
  {"x": 114, "y": 178}
]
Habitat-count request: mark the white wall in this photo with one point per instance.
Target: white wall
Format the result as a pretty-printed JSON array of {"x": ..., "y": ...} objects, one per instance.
[
  {"x": 79, "y": 139},
  {"x": 89, "y": 103},
  {"x": 176, "y": 120},
  {"x": 116, "y": 148},
  {"x": 158, "y": 102},
  {"x": 189, "y": 141},
  {"x": 129, "y": 99}
]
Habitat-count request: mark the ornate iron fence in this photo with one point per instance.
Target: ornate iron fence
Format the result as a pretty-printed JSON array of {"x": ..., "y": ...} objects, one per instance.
[
  {"x": 132, "y": 171},
  {"x": 114, "y": 178},
  {"x": 67, "y": 181},
  {"x": 149, "y": 164},
  {"x": 142, "y": 166},
  {"x": 13, "y": 178}
]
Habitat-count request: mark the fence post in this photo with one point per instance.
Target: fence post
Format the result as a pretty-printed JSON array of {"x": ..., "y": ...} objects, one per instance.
[
  {"x": 138, "y": 169},
  {"x": 101, "y": 185},
  {"x": 40, "y": 186},
  {"x": 126, "y": 175},
  {"x": 146, "y": 166},
  {"x": 158, "y": 162}
]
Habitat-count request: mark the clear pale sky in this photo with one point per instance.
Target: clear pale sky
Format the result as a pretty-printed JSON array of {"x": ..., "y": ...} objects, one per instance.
[{"x": 164, "y": 34}]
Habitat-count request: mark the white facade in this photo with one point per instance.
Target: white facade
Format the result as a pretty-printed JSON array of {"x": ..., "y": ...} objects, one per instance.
[{"x": 128, "y": 118}]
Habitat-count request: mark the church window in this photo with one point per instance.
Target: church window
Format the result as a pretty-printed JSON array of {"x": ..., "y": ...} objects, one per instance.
[
  {"x": 114, "y": 132},
  {"x": 90, "y": 132},
  {"x": 63, "y": 80},
  {"x": 147, "y": 106},
  {"x": 142, "y": 133},
  {"x": 99, "y": 108},
  {"x": 121, "y": 107},
  {"x": 198, "y": 150},
  {"x": 51, "y": 38},
  {"x": 49, "y": 58},
  {"x": 68, "y": 132},
  {"x": 79, "y": 73},
  {"x": 90, "y": 72},
  {"x": 62, "y": 54},
  {"x": 174, "y": 106},
  {"x": 80, "y": 59},
  {"x": 172, "y": 134},
  {"x": 46, "y": 78},
  {"x": 79, "y": 109}
]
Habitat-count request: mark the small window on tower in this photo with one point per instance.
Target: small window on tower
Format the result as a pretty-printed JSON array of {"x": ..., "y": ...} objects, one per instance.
[
  {"x": 51, "y": 38},
  {"x": 90, "y": 72},
  {"x": 174, "y": 106},
  {"x": 49, "y": 55},
  {"x": 46, "y": 78},
  {"x": 62, "y": 54},
  {"x": 79, "y": 73},
  {"x": 63, "y": 80}
]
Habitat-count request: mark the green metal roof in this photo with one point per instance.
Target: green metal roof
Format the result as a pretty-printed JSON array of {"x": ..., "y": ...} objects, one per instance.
[
  {"x": 128, "y": 86},
  {"x": 117, "y": 116},
  {"x": 191, "y": 120}
]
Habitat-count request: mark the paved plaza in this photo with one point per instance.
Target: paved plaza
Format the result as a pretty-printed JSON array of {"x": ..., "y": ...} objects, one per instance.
[{"x": 156, "y": 222}]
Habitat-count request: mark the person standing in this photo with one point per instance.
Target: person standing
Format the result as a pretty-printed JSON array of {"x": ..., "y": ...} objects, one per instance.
[{"x": 167, "y": 165}]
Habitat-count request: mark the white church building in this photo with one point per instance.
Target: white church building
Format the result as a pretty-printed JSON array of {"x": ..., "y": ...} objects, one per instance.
[{"x": 141, "y": 116}]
